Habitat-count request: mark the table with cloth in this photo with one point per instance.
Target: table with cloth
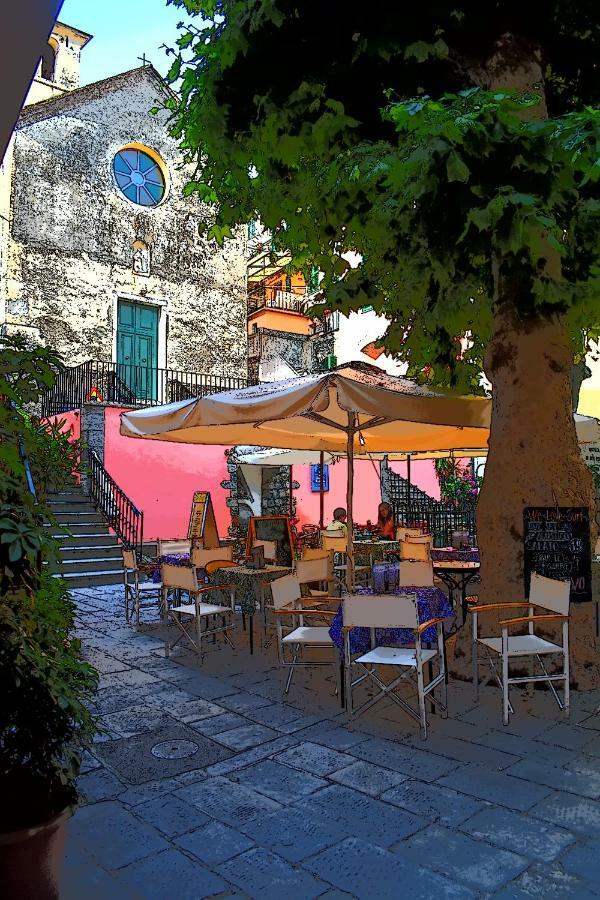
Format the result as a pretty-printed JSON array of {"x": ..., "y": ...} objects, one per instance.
[
  {"x": 431, "y": 603},
  {"x": 248, "y": 586}
]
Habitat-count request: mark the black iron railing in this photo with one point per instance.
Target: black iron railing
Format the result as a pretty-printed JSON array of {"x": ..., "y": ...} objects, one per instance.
[
  {"x": 439, "y": 519},
  {"x": 122, "y": 384},
  {"x": 328, "y": 324},
  {"x": 125, "y": 519}
]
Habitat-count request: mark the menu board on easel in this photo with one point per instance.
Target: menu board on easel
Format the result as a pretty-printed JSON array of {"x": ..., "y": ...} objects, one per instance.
[
  {"x": 202, "y": 530},
  {"x": 557, "y": 545}
]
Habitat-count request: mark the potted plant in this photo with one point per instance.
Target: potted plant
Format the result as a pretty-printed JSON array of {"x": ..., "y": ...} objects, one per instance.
[{"x": 45, "y": 684}]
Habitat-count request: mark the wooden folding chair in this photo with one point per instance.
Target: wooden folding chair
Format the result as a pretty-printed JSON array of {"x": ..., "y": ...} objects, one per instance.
[
  {"x": 195, "y": 613},
  {"x": 298, "y": 637},
  {"x": 552, "y": 598},
  {"x": 137, "y": 592},
  {"x": 389, "y": 611}
]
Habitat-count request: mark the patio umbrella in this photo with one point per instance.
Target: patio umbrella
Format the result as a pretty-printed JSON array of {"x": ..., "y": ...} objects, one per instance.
[{"x": 356, "y": 408}]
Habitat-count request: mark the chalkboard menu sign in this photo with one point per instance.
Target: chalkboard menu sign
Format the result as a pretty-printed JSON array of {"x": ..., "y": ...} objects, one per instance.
[
  {"x": 557, "y": 545},
  {"x": 272, "y": 528}
]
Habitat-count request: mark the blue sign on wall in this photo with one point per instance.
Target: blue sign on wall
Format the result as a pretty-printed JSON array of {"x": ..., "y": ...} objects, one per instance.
[{"x": 315, "y": 477}]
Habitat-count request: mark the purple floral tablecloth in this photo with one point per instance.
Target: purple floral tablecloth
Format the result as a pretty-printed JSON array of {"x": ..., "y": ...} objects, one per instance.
[
  {"x": 449, "y": 554},
  {"x": 432, "y": 603},
  {"x": 176, "y": 559}
]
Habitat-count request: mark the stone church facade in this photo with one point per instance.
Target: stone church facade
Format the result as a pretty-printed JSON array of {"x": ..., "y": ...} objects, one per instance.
[{"x": 100, "y": 255}]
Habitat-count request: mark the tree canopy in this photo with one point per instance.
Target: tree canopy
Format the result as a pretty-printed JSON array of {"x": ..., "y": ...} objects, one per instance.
[{"x": 390, "y": 132}]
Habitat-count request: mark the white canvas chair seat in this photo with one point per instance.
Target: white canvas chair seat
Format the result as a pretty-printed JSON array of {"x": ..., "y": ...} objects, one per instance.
[
  {"x": 203, "y": 609},
  {"x": 316, "y": 635},
  {"x": 149, "y": 586},
  {"x": 392, "y": 611},
  {"x": 295, "y": 636},
  {"x": 551, "y": 598},
  {"x": 190, "y": 618},
  {"x": 395, "y": 656},
  {"x": 522, "y": 645}
]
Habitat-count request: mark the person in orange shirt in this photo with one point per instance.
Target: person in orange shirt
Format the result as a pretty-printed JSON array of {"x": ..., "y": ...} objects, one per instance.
[{"x": 385, "y": 522}]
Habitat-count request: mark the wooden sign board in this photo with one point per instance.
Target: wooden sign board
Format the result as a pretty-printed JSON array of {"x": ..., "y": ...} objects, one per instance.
[
  {"x": 272, "y": 528},
  {"x": 202, "y": 530},
  {"x": 557, "y": 545}
]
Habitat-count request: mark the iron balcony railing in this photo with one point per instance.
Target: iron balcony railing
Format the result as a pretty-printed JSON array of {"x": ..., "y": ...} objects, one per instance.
[
  {"x": 268, "y": 296},
  {"x": 328, "y": 324},
  {"x": 125, "y": 519},
  {"x": 439, "y": 519},
  {"x": 122, "y": 384}
]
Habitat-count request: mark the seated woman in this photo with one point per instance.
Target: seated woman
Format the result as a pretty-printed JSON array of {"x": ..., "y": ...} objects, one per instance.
[{"x": 385, "y": 522}]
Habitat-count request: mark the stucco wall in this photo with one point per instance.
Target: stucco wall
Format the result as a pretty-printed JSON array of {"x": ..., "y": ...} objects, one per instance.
[
  {"x": 70, "y": 252},
  {"x": 160, "y": 478},
  {"x": 367, "y": 492}
]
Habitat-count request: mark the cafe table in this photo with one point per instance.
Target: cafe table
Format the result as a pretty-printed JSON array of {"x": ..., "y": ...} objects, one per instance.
[
  {"x": 249, "y": 587},
  {"x": 456, "y": 575}
]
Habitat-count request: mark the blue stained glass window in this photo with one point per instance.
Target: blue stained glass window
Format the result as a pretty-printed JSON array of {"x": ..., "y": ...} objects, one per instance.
[{"x": 139, "y": 177}]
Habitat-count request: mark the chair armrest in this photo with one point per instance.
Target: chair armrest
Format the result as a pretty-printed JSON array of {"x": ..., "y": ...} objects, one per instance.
[
  {"x": 289, "y": 611},
  {"x": 424, "y": 625},
  {"x": 216, "y": 587},
  {"x": 487, "y": 607},
  {"x": 521, "y": 619}
]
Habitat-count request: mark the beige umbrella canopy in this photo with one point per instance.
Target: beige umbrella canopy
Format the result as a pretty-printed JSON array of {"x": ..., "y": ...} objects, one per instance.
[{"x": 356, "y": 408}]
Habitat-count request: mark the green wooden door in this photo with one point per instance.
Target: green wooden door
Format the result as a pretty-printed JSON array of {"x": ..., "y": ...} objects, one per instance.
[{"x": 137, "y": 348}]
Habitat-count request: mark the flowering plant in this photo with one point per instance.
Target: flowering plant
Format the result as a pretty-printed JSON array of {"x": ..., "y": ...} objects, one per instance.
[{"x": 457, "y": 482}]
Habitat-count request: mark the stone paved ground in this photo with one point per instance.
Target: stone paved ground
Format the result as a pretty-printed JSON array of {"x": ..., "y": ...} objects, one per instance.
[{"x": 284, "y": 800}]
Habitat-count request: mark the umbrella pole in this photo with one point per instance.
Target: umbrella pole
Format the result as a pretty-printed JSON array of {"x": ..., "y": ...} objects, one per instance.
[
  {"x": 408, "y": 503},
  {"x": 349, "y": 495},
  {"x": 321, "y": 491}
]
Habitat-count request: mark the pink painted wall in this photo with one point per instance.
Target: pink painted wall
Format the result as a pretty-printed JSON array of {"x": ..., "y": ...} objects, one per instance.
[
  {"x": 367, "y": 492},
  {"x": 72, "y": 420},
  {"x": 161, "y": 477},
  {"x": 422, "y": 475}
]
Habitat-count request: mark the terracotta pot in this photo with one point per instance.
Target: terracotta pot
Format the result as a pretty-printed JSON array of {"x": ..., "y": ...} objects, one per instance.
[{"x": 31, "y": 860}]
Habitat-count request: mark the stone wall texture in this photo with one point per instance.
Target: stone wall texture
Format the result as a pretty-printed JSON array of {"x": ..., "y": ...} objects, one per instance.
[{"x": 69, "y": 253}]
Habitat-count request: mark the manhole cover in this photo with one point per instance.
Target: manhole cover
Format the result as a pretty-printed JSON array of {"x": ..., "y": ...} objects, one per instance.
[{"x": 174, "y": 749}]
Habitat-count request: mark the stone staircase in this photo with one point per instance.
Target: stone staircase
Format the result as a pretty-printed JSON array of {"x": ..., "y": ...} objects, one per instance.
[{"x": 90, "y": 555}]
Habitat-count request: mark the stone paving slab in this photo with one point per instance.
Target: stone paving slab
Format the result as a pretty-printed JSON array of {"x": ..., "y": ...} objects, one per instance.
[
  {"x": 458, "y": 856},
  {"x": 134, "y": 762},
  {"x": 494, "y": 787},
  {"x": 369, "y": 872},
  {"x": 436, "y": 803},
  {"x": 363, "y": 816},
  {"x": 300, "y": 802},
  {"x": 231, "y": 803},
  {"x": 512, "y": 831},
  {"x": 279, "y": 782},
  {"x": 171, "y": 874},
  {"x": 214, "y": 842}
]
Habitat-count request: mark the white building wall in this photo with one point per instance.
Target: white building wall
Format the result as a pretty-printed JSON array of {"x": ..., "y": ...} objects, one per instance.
[{"x": 357, "y": 331}]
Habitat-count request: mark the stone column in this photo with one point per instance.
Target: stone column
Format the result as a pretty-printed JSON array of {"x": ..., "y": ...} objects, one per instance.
[{"x": 92, "y": 434}]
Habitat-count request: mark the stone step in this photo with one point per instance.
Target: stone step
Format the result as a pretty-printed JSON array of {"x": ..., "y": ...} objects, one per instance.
[
  {"x": 77, "y": 540},
  {"x": 89, "y": 551},
  {"x": 99, "y": 564},
  {"x": 78, "y": 529},
  {"x": 77, "y": 517},
  {"x": 90, "y": 579},
  {"x": 75, "y": 506}
]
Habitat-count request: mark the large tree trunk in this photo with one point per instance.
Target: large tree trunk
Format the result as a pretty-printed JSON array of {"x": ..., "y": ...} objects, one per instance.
[{"x": 534, "y": 460}]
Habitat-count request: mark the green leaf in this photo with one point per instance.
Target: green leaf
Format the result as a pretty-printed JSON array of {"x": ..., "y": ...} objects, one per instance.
[{"x": 456, "y": 168}]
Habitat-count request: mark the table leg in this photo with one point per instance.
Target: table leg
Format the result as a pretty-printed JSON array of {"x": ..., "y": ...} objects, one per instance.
[
  {"x": 342, "y": 684},
  {"x": 251, "y": 633}
]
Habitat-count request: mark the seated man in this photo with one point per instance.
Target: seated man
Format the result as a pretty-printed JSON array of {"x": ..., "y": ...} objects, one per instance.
[{"x": 338, "y": 527}]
